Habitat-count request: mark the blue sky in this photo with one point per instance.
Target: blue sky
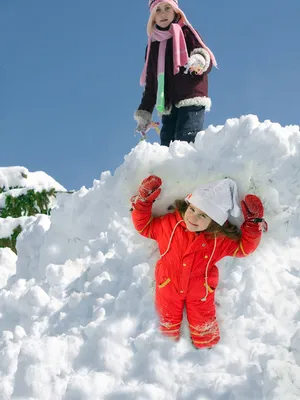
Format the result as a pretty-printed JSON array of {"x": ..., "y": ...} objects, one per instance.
[{"x": 69, "y": 76}]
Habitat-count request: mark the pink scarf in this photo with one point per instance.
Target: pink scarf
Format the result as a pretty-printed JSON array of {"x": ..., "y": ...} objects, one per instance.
[
  {"x": 180, "y": 54},
  {"x": 180, "y": 57}
]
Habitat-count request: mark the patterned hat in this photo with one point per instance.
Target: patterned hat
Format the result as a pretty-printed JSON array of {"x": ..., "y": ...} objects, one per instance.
[
  {"x": 153, "y": 4},
  {"x": 217, "y": 199}
]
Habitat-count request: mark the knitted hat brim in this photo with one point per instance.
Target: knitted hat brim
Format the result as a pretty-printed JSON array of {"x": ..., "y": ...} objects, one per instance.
[{"x": 209, "y": 208}]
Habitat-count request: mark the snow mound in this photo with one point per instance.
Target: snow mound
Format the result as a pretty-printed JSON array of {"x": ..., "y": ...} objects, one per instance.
[
  {"x": 11, "y": 177},
  {"x": 78, "y": 320},
  {"x": 16, "y": 181}
]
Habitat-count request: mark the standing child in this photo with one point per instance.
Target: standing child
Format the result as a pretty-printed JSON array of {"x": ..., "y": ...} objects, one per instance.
[
  {"x": 191, "y": 240},
  {"x": 175, "y": 74}
]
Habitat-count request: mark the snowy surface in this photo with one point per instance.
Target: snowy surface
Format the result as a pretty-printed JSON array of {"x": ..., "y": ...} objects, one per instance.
[
  {"x": 16, "y": 181},
  {"x": 11, "y": 177},
  {"x": 77, "y": 319}
]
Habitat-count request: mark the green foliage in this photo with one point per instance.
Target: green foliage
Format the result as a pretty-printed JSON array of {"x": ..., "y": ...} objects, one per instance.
[
  {"x": 27, "y": 204},
  {"x": 11, "y": 241}
]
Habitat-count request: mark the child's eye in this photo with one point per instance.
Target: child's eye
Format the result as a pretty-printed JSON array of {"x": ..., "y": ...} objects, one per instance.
[{"x": 199, "y": 215}]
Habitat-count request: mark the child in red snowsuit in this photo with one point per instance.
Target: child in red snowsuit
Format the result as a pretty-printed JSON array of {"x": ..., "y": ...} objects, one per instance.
[{"x": 191, "y": 240}]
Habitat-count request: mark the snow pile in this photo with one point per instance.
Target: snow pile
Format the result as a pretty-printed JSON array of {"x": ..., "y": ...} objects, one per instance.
[
  {"x": 8, "y": 261},
  {"x": 15, "y": 181},
  {"x": 77, "y": 318},
  {"x": 11, "y": 177}
]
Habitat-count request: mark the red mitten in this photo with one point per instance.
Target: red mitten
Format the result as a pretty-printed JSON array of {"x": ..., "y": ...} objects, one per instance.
[
  {"x": 150, "y": 189},
  {"x": 253, "y": 211}
]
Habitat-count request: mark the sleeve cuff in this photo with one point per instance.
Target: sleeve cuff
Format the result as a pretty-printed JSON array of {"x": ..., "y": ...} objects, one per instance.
[
  {"x": 142, "y": 116},
  {"x": 205, "y": 54}
]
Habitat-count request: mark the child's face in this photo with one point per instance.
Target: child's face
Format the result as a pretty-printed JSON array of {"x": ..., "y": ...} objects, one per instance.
[
  {"x": 195, "y": 219},
  {"x": 164, "y": 15}
]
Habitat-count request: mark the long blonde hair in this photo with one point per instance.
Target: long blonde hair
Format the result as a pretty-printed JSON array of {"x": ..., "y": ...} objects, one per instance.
[{"x": 228, "y": 229}]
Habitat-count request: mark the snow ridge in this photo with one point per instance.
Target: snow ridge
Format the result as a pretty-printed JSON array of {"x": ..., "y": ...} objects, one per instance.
[{"x": 77, "y": 317}]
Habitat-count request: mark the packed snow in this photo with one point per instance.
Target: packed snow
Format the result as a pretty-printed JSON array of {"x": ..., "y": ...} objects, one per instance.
[
  {"x": 15, "y": 181},
  {"x": 77, "y": 317},
  {"x": 11, "y": 177}
]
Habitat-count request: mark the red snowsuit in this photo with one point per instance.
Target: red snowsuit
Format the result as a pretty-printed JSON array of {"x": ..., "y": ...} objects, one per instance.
[{"x": 186, "y": 273}]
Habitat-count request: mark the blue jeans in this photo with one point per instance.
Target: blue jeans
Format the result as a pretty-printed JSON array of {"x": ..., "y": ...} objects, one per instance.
[{"x": 182, "y": 124}]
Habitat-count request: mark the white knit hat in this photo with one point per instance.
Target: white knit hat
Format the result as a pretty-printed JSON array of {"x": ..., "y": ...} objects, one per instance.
[{"x": 217, "y": 199}]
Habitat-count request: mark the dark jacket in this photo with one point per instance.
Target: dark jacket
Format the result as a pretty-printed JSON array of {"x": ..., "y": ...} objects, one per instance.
[{"x": 178, "y": 87}]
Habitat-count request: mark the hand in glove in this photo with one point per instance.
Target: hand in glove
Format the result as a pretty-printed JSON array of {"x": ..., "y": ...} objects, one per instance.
[
  {"x": 253, "y": 211},
  {"x": 149, "y": 190},
  {"x": 142, "y": 127},
  {"x": 143, "y": 119},
  {"x": 195, "y": 64}
]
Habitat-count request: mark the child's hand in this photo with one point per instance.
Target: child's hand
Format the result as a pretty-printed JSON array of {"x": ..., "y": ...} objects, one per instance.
[
  {"x": 143, "y": 119},
  {"x": 143, "y": 127},
  {"x": 195, "y": 64},
  {"x": 253, "y": 211},
  {"x": 150, "y": 189}
]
